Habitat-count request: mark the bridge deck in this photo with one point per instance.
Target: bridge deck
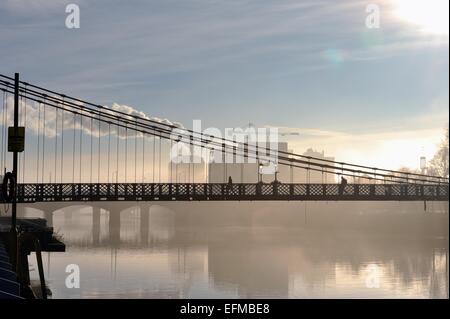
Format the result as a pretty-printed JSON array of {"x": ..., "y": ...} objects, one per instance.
[{"x": 27, "y": 193}]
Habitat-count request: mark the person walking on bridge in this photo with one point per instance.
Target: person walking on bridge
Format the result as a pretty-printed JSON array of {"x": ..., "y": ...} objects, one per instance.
[
  {"x": 342, "y": 185},
  {"x": 230, "y": 184}
]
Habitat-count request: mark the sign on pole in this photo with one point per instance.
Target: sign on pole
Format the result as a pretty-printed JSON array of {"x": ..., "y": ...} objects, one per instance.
[{"x": 16, "y": 139}]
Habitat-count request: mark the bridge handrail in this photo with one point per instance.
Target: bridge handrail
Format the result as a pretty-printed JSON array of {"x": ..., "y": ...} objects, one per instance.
[{"x": 225, "y": 191}]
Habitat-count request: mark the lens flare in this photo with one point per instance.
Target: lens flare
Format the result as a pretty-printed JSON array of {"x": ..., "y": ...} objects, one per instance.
[{"x": 431, "y": 16}]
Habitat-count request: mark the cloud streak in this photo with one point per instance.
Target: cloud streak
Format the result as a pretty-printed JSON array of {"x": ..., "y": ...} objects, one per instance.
[
  {"x": 390, "y": 146},
  {"x": 50, "y": 121}
]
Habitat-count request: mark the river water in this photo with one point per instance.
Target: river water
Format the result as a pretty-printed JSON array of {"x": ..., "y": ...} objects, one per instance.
[{"x": 198, "y": 251}]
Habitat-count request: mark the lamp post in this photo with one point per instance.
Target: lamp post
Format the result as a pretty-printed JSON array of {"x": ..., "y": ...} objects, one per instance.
[
  {"x": 15, "y": 153},
  {"x": 423, "y": 164},
  {"x": 259, "y": 172},
  {"x": 16, "y": 144}
]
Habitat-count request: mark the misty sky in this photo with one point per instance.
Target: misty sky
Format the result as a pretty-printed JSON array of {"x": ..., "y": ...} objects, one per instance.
[{"x": 375, "y": 96}]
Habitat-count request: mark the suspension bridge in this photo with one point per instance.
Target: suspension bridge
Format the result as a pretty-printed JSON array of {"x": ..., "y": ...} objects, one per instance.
[
  {"x": 77, "y": 150},
  {"x": 59, "y": 148}
]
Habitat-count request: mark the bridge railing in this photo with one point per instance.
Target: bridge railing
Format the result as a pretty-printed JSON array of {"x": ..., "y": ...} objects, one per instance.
[{"x": 224, "y": 191}]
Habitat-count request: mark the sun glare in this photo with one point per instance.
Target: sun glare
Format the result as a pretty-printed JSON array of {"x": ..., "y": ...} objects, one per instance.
[{"x": 431, "y": 16}]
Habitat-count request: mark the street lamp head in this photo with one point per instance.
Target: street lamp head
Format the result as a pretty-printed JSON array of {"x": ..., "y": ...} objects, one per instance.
[{"x": 423, "y": 162}]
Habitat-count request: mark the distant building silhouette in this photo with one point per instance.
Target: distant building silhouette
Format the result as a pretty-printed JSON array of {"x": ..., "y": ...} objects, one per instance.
[
  {"x": 187, "y": 172},
  {"x": 302, "y": 176},
  {"x": 248, "y": 172}
]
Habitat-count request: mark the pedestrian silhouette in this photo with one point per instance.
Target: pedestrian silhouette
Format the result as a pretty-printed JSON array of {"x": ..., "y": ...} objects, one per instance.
[
  {"x": 230, "y": 183},
  {"x": 342, "y": 185}
]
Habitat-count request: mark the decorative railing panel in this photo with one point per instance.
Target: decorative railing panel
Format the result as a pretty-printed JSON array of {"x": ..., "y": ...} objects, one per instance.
[{"x": 200, "y": 191}]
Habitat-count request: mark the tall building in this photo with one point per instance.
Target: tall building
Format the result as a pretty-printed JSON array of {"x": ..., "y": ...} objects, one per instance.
[
  {"x": 248, "y": 172},
  {"x": 313, "y": 176},
  {"x": 188, "y": 172}
]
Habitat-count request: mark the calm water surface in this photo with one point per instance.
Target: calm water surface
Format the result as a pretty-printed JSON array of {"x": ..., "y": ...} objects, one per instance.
[{"x": 163, "y": 254}]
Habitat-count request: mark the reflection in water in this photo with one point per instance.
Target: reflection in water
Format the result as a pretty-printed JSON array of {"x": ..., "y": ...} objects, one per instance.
[{"x": 194, "y": 251}]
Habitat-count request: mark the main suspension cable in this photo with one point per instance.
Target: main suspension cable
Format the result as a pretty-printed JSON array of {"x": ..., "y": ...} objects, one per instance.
[
  {"x": 192, "y": 132},
  {"x": 353, "y": 171}
]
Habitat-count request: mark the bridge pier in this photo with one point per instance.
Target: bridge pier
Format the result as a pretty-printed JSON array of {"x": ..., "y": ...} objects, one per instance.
[
  {"x": 21, "y": 211},
  {"x": 67, "y": 217},
  {"x": 48, "y": 215},
  {"x": 96, "y": 212},
  {"x": 144, "y": 224},
  {"x": 114, "y": 227}
]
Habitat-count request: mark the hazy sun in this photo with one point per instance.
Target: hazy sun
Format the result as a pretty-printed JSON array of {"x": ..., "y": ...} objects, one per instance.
[{"x": 430, "y": 15}]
